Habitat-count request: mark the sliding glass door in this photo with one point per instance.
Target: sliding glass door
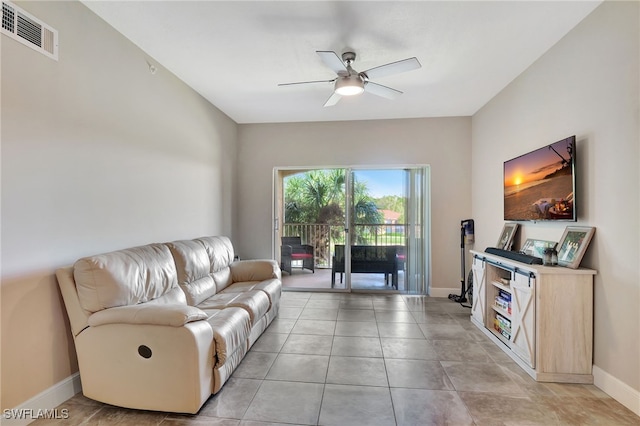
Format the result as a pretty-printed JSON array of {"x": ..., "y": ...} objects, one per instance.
[
  {"x": 309, "y": 221},
  {"x": 352, "y": 229}
]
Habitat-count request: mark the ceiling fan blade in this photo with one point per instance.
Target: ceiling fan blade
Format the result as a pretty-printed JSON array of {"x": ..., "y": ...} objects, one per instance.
[
  {"x": 307, "y": 82},
  {"x": 333, "y": 99},
  {"x": 333, "y": 61},
  {"x": 393, "y": 68},
  {"x": 380, "y": 90}
]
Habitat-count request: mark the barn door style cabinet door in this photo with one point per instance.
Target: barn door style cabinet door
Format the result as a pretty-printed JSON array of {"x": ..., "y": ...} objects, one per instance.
[
  {"x": 479, "y": 282},
  {"x": 523, "y": 327},
  {"x": 542, "y": 317}
]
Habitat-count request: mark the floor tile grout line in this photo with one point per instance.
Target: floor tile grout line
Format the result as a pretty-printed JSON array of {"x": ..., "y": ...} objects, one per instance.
[{"x": 386, "y": 372}]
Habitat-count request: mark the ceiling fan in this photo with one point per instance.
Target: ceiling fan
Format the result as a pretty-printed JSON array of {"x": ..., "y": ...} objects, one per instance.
[{"x": 350, "y": 82}]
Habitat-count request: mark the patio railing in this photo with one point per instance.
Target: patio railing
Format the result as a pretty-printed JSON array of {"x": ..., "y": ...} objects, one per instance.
[{"x": 324, "y": 237}]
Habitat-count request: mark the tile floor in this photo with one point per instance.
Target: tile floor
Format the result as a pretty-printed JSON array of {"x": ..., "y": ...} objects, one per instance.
[{"x": 355, "y": 359}]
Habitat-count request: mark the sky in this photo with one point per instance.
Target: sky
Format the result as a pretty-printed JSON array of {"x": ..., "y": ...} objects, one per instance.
[
  {"x": 382, "y": 182},
  {"x": 535, "y": 165}
]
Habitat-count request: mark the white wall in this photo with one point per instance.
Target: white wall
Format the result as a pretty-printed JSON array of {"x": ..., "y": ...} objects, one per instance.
[
  {"x": 442, "y": 143},
  {"x": 586, "y": 85},
  {"x": 98, "y": 154}
]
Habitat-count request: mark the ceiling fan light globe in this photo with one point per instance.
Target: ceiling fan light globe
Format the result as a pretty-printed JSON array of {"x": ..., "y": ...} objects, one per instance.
[
  {"x": 349, "y": 86},
  {"x": 349, "y": 90}
]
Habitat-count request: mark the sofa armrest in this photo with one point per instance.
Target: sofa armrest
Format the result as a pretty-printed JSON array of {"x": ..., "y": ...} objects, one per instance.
[
  {"x": 172, "y": 315},
  {"x": 78, "y": 317},
  {"x": 254, "y": 270}
]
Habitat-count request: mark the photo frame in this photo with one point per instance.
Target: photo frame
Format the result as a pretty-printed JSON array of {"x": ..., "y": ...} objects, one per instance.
[
  {"x": 506, "y": 237},
  {"x": 573, "y": 244},
  {"x": 536, "y": 248}
]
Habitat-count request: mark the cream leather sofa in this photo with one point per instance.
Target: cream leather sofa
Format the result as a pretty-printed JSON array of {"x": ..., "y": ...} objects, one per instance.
[{"x": 163, "y": 326}]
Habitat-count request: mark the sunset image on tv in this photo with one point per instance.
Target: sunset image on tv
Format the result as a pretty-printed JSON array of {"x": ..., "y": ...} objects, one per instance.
[{"x": 540, "y": 185}]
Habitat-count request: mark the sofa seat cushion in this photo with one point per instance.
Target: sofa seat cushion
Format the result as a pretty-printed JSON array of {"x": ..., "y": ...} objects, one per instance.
[
  {"x": 271, "y": 287},
  {"x": 217, "y": 301},
  {"x": 125, "y": 277},
  {"x": 241, "y": 287},
  {"x": 231, "y": 329},
  {"x": 256, "y": 303}
]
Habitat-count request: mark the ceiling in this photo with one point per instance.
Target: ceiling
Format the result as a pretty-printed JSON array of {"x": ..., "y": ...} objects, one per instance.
[{"x": 234, "y": 53}]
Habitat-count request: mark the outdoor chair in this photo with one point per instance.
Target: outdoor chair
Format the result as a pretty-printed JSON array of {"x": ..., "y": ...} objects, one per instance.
[{"x": 291, "y": 250}]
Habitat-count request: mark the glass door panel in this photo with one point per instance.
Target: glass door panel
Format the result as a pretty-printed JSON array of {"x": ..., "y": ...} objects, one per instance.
[
  {"x": 378, "y": 229},
  {"x": 380, "y": 215},
  {"x": 309, "y": 221}
]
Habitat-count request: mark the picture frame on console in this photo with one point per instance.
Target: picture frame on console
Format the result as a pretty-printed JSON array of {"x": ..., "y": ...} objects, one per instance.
[
  {"x": 506, "y": 237},
  {"x": 536, "y": 248},
  {"x": 573, "y": 244}
]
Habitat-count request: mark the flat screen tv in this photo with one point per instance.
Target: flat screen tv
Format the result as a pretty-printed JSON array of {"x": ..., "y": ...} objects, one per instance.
[{"x": 541, "y": 184}]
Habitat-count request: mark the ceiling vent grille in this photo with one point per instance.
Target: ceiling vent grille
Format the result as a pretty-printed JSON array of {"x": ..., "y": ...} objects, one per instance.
[{"x": 29, "y": 30}]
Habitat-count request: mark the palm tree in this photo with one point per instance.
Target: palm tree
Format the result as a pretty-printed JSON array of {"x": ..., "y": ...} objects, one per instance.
[
  {"x": 365, "y": 212},
  {"x": 318, "y": 197},
  {"x": 307, "y": 196}
]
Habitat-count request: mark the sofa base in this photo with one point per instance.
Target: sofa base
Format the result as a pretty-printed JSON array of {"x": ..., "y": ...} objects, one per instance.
[{"x": 176, "y": 377}]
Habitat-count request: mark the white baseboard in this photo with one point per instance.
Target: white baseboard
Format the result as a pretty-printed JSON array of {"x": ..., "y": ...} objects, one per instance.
[
  {"x": 43, "y": 404},
  {"x": 617, "y": 389}
]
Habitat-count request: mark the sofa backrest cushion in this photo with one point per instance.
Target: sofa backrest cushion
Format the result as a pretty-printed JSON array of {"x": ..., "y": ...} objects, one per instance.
[
  {"x": 222, "y": 278},
  {"x": 125, "y": 277},
  {"x": 193, "y": 267},
  {"x": 192, "y": 260},
  {"x": 219, "y": 250}
]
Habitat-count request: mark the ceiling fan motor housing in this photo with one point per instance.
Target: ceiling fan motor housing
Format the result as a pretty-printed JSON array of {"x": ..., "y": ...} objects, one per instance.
[
  {"x": 348, "y": 57},
  {"x": 351, "y": 83}
]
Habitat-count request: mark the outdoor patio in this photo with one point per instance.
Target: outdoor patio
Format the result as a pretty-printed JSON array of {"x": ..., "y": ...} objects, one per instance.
[{"x": 321, "y": 279}]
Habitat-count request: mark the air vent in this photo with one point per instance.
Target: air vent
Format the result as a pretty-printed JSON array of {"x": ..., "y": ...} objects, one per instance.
[{"x": 29, "y": 30}]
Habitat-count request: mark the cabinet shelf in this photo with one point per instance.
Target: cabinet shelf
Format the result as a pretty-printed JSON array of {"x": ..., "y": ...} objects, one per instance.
[
  {"x": 501, "y": 311},
  {"x": 501, "y": 286},
  {"x": 499, "y": 336},
  {"x": 550, "y": 315}
]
